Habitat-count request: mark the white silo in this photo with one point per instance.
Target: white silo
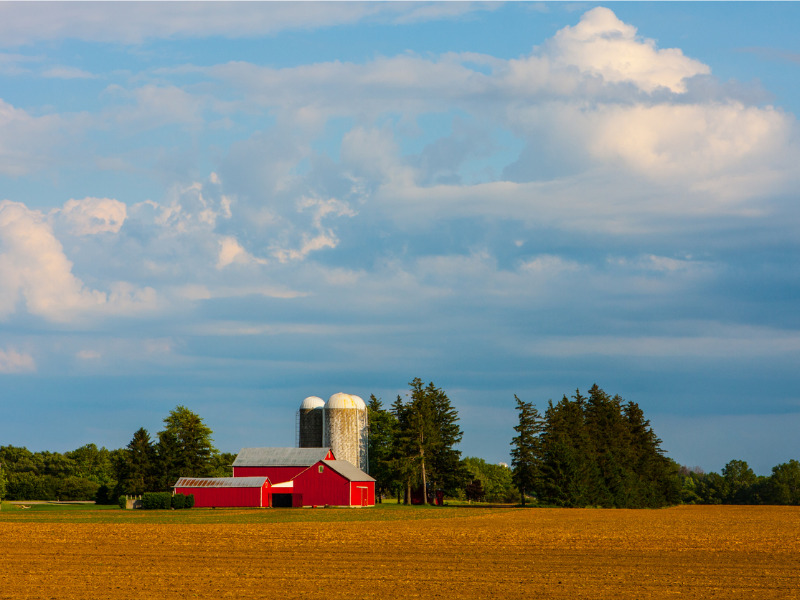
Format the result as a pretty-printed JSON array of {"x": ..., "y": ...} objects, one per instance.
[
  {"x": 309, "y": 423},
  {"x": 343, "y": 429},
  {"x": 363, "y": 435}
]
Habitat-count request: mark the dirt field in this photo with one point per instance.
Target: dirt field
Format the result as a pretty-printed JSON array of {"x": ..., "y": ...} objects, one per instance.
[{"x": 685, "y": 552}]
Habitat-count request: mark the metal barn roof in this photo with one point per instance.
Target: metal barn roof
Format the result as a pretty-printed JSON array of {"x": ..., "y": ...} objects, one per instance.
[
  {"x": 348, "y": 470},
  {"x": 220, "y": 482},
  {"x": 279, "y": 457}
]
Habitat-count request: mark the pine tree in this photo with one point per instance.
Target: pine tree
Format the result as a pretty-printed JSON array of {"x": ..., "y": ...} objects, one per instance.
[
  {"x": 526, "y": 449},
  {"x": 424, "y": 448},
  {"x": 136, "y": 469},
  {"x": 382, "y": 430}
]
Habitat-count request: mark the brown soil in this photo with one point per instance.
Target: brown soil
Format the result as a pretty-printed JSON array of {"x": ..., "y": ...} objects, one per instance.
[{"x": 685, "y": 552}]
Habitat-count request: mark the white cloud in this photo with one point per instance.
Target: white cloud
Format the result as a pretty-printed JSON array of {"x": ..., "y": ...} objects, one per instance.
[
  {"x": 321, "y": 235},
  {"x": 34, "y": 268},
  {"x": 88, "y": 354},
  {"x": 64, "y": 72},
  {"x": 120, "y": 22},
  {"x": 26, "y": 141},
  {"x": 12, "y": 361},
  {"x": 231, "y": 252},
  {"x": 603, "y": 45},
  {"x": 91, "y": 216}
]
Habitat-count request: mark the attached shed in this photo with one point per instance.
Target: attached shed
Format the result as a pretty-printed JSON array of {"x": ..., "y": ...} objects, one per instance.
[
  {"x": 278, "y": 464},
  {"x": 334, "y": 483},
  {"x": 226, "y": 491}
]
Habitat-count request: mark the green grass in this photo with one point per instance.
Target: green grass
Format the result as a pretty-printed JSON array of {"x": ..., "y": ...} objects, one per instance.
[{"x": 90, "y": 513}]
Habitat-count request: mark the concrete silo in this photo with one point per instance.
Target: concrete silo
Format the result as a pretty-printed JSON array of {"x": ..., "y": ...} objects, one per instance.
[
  {"x": 363, "y": 435},
  {"x": 345, "y": 429},
  {"x": 310, "y": 423}
]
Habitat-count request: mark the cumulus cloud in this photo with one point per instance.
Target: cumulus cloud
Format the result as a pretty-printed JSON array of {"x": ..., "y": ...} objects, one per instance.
[
  {"x": 91, "y": 216},
  {"x": 34, "y": 269},
  {"x": 12, "y": 361},
  {"x": 601, "y": 44},
  {"x": 231, "y": 252}
]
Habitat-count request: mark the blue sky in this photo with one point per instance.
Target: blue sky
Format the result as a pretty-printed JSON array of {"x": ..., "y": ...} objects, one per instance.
[{"x": 234, "y": 206}]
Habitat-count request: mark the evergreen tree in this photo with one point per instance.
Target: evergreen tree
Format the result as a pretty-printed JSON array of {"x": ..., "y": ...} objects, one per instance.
[
  {"x": 424, "y": 445},
  {"x": 601, "y": 451},
  {"x": 382, "y": 430},
  {"x": 136, "y": 466},
  {"x": 567, "y": 472},
  {"x": 526, "y": 449},
  {"x": 184, "y": 448},
  {"x": 447, "y": 471}
]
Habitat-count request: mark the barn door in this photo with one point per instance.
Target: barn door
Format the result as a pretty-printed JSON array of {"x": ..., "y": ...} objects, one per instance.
[{"x": 364, "y": 496}]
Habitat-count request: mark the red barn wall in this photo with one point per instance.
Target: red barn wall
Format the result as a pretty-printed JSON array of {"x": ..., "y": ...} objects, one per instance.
[
  {"x": 319, "y": 489},
  {"x": 228, "y": 497},
  {"x": 362, "y": 493},
  {"x": 275, "y": 474}
]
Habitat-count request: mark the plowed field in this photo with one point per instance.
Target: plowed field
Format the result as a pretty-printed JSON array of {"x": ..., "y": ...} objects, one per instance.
[{"x": 685, "y": 552}]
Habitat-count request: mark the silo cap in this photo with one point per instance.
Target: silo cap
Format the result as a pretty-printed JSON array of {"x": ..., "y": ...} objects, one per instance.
[
  {"x": 342, "y": 400},
  {"x": 311, "y": 403}
]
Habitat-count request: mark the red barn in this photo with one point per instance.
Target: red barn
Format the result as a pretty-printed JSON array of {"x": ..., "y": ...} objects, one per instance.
[
  {"x": 279, "y": 464},
  {"x": 226, "y": 491},
  {"x": 284, "y": 477},
  {"x": 334, "y": 483}
]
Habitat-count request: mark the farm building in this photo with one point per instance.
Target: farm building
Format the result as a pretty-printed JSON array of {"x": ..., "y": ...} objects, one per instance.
[
  {"x": 226, "y": 491},
  {"x": 334, "y": 483},
  {"x": 283, "y": 477},
  {"x": 279, "y": 464},
  {"x": 318, "y": 479}
]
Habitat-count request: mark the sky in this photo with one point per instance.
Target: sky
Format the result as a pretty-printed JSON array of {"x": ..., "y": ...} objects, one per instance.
[{"x": 233, "y": 206}]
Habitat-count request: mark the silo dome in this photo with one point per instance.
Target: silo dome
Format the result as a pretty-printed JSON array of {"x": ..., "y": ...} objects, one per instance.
[
  {"x": 311, "y": 403},
  {"x": 342, "y": 401},
  {"x": 360, "y": 404}
]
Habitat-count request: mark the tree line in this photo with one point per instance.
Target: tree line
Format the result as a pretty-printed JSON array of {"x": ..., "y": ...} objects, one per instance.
[
  {"x": 594, "y": 450},
  {"x": 412, "y": 445},
  {"x": 738, "y": 484},
  {"x": 183, "y": 448}
]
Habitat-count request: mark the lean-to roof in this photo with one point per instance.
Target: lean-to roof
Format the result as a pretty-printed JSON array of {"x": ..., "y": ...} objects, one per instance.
[{"x": 220, "y": 482}]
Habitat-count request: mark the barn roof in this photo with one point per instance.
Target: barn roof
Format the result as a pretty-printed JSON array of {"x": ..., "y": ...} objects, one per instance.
[
  {"x": 220, "y": 482},
  {"x": 279, "y": 457},
  {"x": 348, "y": 470}
]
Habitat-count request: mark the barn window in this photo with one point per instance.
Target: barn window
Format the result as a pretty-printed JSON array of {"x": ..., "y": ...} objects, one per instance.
[{"x": 321, "y": 468}]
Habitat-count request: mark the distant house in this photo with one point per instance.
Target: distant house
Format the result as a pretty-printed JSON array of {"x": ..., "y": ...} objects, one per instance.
[{"x": 286, "y": 477}]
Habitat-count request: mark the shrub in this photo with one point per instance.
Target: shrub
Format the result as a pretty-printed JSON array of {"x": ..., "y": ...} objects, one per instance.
[
  {"x": 156, "y": 500},
  {"x": 178, "y": 501},
  {"x": 189, "y": 502},
  {"x": 122, "y": 501}
]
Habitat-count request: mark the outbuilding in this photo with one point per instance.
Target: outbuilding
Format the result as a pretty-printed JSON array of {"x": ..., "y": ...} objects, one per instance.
[
  {"x": 226, "y": 491},
  {"x": 334, "y": 483}
]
